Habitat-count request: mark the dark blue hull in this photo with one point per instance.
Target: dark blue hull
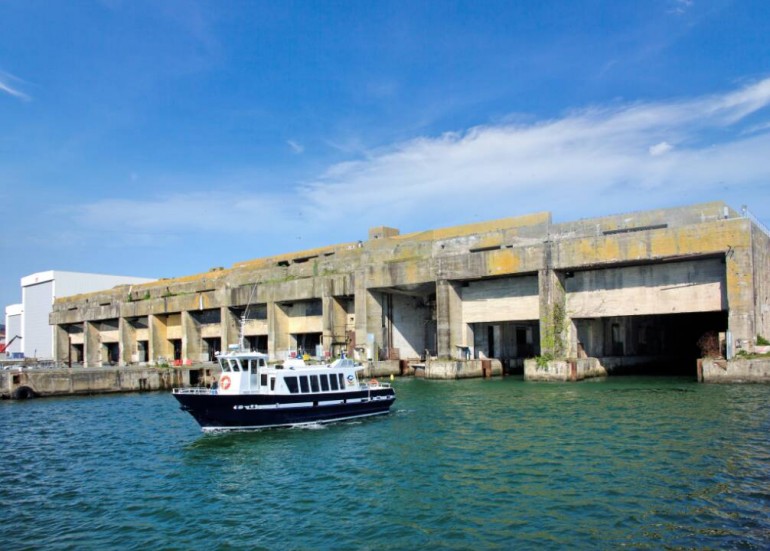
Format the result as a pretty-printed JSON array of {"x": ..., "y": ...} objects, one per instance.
[{"x": 253, "y": 411}]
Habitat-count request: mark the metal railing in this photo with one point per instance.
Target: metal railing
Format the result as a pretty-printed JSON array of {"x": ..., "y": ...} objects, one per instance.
[{"x": 746, "y": 213}]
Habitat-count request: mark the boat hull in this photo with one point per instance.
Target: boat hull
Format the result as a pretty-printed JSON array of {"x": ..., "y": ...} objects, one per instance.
[{"x": 216, "y": 412}]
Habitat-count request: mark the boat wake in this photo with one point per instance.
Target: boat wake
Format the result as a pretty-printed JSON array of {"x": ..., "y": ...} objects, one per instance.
[{"x": 309, "y": 426}]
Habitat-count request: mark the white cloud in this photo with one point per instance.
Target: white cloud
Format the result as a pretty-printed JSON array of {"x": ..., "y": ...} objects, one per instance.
[
  {"x": 517, "y": 168},
  {"x": 660, "y": 149},
  {"x": 590, "y": 162}
]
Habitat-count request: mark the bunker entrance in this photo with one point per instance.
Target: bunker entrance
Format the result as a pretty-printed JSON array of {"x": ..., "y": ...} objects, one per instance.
[
  {"x": 510, "y": 342},
  {"x": 211, "y": 347},
  {"x": 306, "y": 343},
  {"x": 667, "y": 344}
]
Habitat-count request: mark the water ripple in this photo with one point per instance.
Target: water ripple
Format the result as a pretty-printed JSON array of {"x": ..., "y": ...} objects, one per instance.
[{"x": 638, "y": 463}]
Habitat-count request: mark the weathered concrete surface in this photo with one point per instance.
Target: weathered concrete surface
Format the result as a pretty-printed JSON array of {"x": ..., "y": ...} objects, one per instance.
[
  {"x": 452, "y": 369},
  {"x": 734, "y": 371},
  {"x": 563, "y": 370},
  {"x": 381, "y": 369},
  {"x": 509, "y": 289},
  {"x": 61, "y": 382}
]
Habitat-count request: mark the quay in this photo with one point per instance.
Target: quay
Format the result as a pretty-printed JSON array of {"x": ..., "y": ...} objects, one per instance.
[
  {"x": 20, "y": 382},
  {"x": 643, "y": 292}
]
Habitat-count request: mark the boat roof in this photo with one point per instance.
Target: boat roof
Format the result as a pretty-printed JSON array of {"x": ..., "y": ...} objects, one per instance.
[
  {"x": 292, "y": 363},
  {"x": 241, "y": 354}
]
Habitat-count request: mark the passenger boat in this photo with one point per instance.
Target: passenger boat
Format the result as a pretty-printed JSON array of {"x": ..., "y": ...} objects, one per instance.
[{"x": 252, "y": 394}]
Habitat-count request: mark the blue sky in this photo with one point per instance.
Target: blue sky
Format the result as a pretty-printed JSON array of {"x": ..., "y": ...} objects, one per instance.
[{"x": 161, "y": 139}]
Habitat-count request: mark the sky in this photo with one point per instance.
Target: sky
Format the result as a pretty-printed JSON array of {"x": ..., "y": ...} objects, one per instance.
[{"x": 162, "y": 139}]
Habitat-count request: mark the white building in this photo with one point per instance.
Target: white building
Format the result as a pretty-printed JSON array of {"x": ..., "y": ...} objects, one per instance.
[
  {"x": 13, "y": 329},
  {"x": 38, "y": 292}
]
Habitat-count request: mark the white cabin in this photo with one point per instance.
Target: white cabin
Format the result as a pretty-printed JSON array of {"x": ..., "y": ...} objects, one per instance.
[{"x": 249, "y": 373}]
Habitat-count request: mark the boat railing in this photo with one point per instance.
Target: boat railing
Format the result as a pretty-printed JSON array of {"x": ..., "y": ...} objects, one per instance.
[
  {"x": 374, "y": 383},
  {"x": 195, "y": 390}
]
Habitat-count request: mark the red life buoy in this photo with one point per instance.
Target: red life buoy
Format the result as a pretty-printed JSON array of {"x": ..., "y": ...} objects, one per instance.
[{"x": 224, "y": 382}]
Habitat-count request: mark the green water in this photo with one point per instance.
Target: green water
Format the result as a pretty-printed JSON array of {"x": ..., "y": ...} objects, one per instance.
[{"x": 641, "y": 463}]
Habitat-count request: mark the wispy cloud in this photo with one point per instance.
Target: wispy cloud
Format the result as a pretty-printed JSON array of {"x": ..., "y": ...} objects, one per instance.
[
  {"x": 588, "y": 162},
  {"x": 5, "y": 86},
  {"x": 680, "y": 7},
  {"x": 295, "y": 146}
]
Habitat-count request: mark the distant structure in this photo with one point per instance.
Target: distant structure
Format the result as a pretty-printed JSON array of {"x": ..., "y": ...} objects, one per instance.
[
  {"x": 645, "y": 290},
  {"x": 12, "y": 345},
  {"x": 27, "y": 324}
]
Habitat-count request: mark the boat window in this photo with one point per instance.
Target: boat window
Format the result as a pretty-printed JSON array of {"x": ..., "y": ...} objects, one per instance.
[
  {"x": 342, "y": 380},
  {"x": 324, "y": 382},
  {"x": 291, "y": 384},
  {"x": 262, "y": 362},
  {"x": 272, "y": 383},
  {"x": 224, "y": 365},
  {"x": 303, "y": 384},
  {"x": 234, "y": 365},
  {"x": 333, "y": 382},
  {"x": 263, "y": 379},
  {"x": 314, "y": 383}
]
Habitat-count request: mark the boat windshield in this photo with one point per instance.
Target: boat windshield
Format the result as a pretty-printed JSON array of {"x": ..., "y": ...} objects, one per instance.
[{"x": 234, "y": 364}]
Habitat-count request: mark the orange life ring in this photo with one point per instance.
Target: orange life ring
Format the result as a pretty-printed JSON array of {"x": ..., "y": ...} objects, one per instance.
[{"x": 224, "y": 382}]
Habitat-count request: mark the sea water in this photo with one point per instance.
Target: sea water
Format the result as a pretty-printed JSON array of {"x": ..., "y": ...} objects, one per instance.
[{"x": 640, "y": 463}]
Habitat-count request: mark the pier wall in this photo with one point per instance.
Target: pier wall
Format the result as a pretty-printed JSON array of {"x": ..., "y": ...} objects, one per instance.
[
  {"x": 734, "y": 371},
  {"x": 563, "y": 370},
  {"x": 61, "y": 382}
]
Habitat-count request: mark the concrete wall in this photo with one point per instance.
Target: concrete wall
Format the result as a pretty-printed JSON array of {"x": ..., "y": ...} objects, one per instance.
[
  {"x": 409, "y": 325},
  {"x": 563, "y": 370},
  {"x": 735, "y": 371},
  {"x": 665, "y": 288},
  {"x": 504, "y": 299},
  {"x": 88, "y": 381}
]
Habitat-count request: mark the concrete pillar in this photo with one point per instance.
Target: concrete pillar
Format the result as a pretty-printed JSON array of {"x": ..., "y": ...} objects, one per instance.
[
  {"x": 558, "y": 335},
  {"x": 327, "y": 316},
  {"x": 158, "y": 341},
  {"x": 450, "y": 333},
  {"x": 191, "y": 339},
  {"x": 740, "y": 299},
  {"x": 92, "y": 346},
  {"x": 61, "y": 344},
  {"x": 126, "y": 342},
  {"x": 231, "y": 328},
  {"x": 278, "y": 338},
  {"x": 369, "y": 321}
]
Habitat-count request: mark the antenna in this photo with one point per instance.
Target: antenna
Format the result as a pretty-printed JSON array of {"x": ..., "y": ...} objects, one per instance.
[{"x": 242, "y": 335}]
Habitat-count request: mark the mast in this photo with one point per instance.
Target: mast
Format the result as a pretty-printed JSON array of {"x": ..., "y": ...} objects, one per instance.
[{"x": 242, "y": 331}]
